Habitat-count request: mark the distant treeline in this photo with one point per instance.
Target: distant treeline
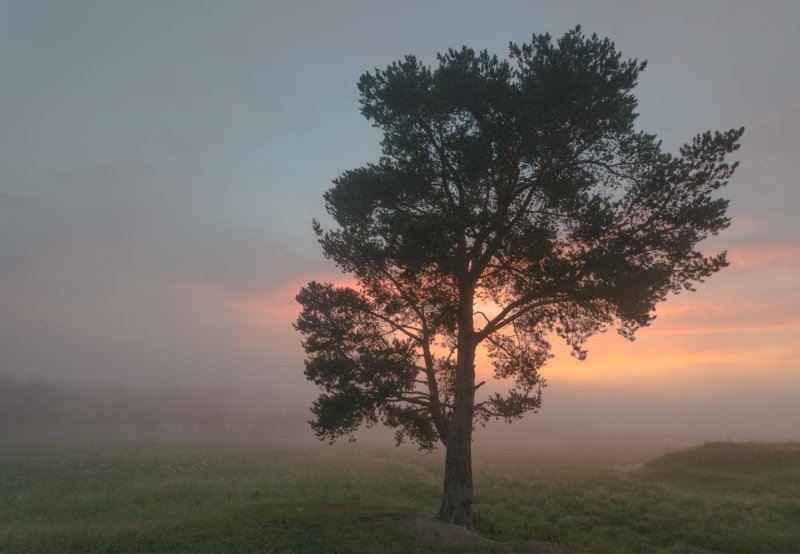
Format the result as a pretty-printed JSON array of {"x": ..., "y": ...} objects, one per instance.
[{"x": 32, "y": 404}]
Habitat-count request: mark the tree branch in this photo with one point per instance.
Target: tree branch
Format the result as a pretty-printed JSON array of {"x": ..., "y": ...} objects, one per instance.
[{"x": 503, "y": 318}]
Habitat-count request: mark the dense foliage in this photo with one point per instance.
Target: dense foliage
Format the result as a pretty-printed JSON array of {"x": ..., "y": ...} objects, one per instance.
[{"x": 514, "y": 201}]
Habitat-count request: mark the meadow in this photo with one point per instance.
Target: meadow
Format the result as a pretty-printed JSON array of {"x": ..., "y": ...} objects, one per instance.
[{"x": 250, "y": 497}]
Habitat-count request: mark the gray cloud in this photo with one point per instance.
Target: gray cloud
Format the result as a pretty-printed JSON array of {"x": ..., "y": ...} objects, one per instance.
[{"x": 160, "y": 164}]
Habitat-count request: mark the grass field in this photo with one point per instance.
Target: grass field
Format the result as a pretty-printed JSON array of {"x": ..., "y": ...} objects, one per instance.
[{"x": 244, "y": 497}]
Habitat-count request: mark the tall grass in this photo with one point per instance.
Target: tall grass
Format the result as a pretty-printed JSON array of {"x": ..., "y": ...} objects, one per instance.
[
  {"x": 719, "y": 497},
  {"x": 244, "y": 497}
]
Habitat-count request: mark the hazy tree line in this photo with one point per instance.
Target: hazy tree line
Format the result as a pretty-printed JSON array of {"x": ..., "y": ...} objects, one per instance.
[{"x": 170, "y": 410}]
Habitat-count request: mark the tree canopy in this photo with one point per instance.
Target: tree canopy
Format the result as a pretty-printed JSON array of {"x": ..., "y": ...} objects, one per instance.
[{"x": 514, "y": 202}]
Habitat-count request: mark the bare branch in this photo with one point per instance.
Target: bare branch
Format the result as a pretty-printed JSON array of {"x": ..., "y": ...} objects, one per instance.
[
  {"x": 483, "y": 314},
  {"x": 404, "y": 329}
]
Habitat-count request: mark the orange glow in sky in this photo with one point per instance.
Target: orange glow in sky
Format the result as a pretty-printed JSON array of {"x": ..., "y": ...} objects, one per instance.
[
  {"x": 159, "y": 175},
  {"x": 715, "y": 332}
]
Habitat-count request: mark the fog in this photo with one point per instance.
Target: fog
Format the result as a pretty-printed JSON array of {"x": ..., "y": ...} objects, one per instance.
[
  {"x": 575, "y": 421},
  {"x": 161, "y": 162}
]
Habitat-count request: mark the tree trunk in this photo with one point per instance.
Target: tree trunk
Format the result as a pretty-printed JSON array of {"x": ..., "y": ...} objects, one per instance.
[{"x": 457, "y": 495}]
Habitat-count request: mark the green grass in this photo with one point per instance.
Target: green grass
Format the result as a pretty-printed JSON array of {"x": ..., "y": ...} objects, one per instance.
[
  {"x": 719, "y": 497},
  {"x": 244, "y": 497}
]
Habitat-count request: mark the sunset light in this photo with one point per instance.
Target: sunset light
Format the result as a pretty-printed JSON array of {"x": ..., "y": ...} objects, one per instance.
[{"x": 361, "y": 276}]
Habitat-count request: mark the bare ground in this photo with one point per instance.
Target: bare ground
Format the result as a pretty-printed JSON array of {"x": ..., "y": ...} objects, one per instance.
[{"x": 455, "y": 536}]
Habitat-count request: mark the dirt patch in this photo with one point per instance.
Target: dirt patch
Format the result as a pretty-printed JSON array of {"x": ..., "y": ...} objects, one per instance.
[
  {"x": 455, "y": 536},
  {"x": 429, "y": 534}
]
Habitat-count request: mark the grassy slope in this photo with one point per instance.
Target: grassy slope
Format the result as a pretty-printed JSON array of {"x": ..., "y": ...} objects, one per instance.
[{"x": 720, "y": 497}]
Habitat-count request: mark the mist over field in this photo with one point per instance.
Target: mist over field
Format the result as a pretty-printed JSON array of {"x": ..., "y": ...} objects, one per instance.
[
  {"x": 165, "y": 303},
  {"x": 575, "y": 421}
]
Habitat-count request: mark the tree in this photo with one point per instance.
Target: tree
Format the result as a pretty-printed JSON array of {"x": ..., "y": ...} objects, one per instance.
[{"x": 513, "y": 202}]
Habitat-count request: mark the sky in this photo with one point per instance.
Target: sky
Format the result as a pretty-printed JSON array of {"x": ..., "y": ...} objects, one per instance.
[{"x": 161, "y": 162}]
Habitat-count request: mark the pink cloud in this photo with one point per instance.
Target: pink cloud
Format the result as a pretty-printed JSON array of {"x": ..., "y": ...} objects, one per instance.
[
  {"x": 275, "y": 307},
  {"x": 766, "y": 256}
]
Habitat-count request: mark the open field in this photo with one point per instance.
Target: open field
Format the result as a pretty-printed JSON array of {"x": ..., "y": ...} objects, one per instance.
[{"x": 246, "y": 497}]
